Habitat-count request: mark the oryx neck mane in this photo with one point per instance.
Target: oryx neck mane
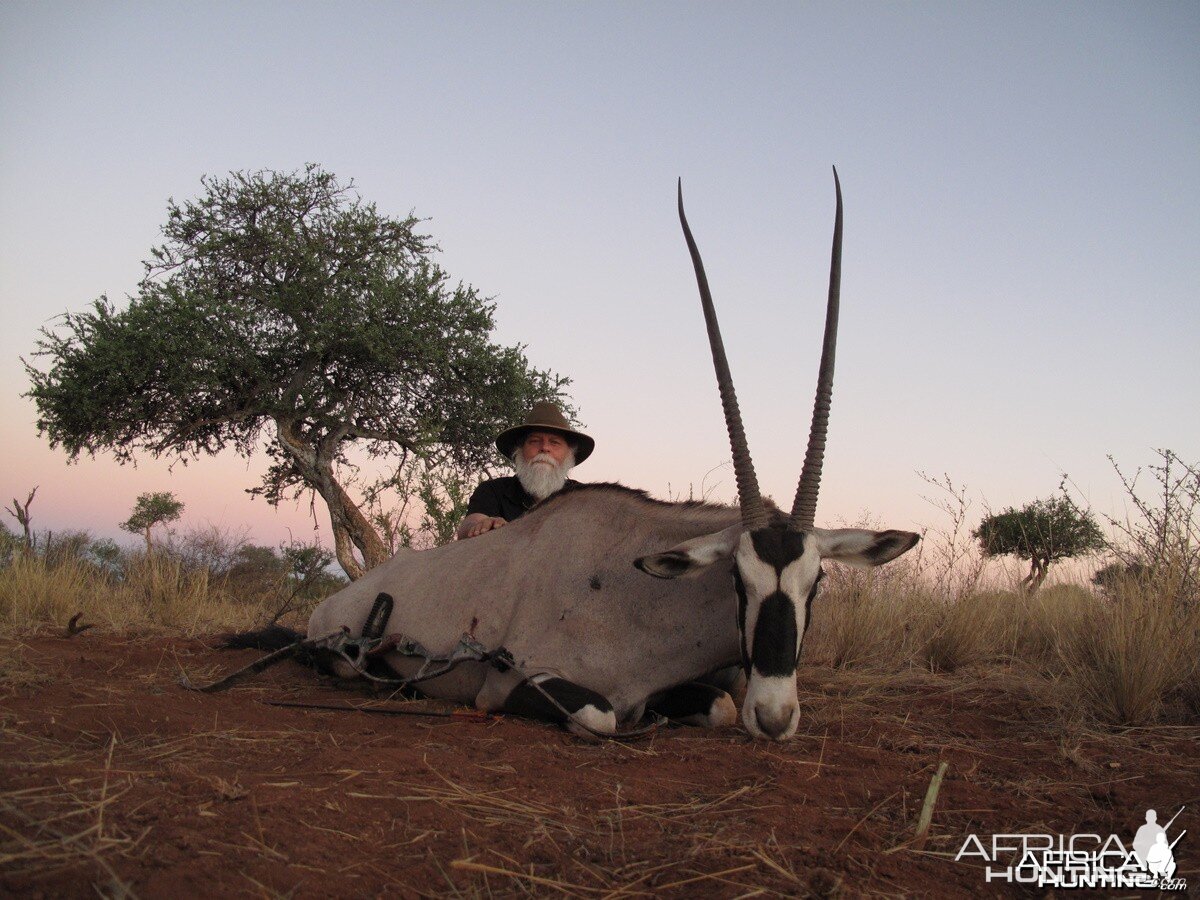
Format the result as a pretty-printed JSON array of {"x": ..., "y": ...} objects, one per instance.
[{"x": 703, "y": 510}]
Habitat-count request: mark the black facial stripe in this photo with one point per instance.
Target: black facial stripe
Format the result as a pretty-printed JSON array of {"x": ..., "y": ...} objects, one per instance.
[
  {"x": 775, "y": 640},
  {"x": 740, "y": 586},
  {"x": 777, "y": 546},
  {"x": 812, "y": 593},
  {"x": 808, "y": 608}
]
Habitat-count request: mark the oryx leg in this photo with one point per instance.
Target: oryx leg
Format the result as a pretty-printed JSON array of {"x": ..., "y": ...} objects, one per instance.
[
  {"x": 696, "y": 703},
  {"x": 731, "y": 679},
  {"x": 548, "y": 699}
]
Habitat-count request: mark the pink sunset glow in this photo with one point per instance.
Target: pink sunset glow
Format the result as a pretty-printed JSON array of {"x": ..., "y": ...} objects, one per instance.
[{"x": 1021, "y": 221}]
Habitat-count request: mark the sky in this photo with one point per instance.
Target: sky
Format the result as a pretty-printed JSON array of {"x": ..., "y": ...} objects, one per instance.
[{"x": 1022, "y": 192}]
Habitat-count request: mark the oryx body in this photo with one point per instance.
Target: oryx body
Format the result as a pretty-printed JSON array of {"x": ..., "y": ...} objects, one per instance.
[{"x": 558, "y": 588}]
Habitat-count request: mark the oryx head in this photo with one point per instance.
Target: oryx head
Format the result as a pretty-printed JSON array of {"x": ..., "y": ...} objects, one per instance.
[{"x": 776, "y": 562}]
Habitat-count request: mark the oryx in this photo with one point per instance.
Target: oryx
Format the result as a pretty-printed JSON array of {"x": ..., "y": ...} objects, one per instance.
[{"x": 565, "y": 589}]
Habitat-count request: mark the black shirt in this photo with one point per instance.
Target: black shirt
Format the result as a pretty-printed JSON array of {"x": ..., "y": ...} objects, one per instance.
[{"x": 504, "y": 498}]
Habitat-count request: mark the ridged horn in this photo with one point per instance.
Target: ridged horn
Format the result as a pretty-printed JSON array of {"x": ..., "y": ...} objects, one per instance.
[
  {"x": 754, "y": 513},
  {"x": 804, "y": 509}
]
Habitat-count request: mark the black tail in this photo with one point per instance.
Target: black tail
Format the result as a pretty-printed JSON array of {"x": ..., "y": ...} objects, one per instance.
[
  {"x": 276, "y": 637},
  {"x": 269, "y": 639}
]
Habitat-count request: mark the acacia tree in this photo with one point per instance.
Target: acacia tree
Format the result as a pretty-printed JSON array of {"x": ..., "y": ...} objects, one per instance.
[
  {"x": 283, "y": 313},
  {"x": 152, "y": 509},
  {"x": 1042, "y": 532}
]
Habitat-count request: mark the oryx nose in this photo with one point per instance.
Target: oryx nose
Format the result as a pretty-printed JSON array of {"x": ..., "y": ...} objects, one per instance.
[{"x": 773, "y": 722}]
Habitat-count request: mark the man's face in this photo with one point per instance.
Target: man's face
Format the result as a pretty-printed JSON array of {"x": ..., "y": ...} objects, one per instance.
[{"x": 554, "y": 445}]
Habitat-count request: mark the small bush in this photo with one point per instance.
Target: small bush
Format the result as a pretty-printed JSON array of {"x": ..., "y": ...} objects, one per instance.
[{"x": 1133, "y": 653}]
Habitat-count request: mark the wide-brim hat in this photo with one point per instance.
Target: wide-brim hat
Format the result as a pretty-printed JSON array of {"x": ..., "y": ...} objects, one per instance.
[{"x": 545, "y": 416}]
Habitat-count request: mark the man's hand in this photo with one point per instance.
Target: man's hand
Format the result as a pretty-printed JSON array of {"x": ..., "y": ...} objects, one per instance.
[{"x": 477, "y": 523}]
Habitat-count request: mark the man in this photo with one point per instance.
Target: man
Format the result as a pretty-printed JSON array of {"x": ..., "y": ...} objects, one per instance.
[{"x": 543, "y": 449}]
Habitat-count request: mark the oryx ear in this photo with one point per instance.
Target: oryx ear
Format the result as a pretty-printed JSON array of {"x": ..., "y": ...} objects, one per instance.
[
  {"x": 862, "y": 547},
  {"x": 691, "y": 556}
]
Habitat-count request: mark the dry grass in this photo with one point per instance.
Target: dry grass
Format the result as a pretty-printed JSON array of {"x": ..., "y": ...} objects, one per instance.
[
  {"x": 155, "y": 593},
  {"x": 53, "y": 828},
  {"x": 17, "y": 671},
  {"x": 1129, "y": 654},
  {"x": 495, "y": 809},
  {"x": 590, "y": 855},
  {"x": 584, "y": 851},
  {"x": 1140, "y": 651}
]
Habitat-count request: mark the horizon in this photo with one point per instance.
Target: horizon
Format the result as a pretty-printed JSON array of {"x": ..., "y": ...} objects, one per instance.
[{"x": 1022, "y": 210}]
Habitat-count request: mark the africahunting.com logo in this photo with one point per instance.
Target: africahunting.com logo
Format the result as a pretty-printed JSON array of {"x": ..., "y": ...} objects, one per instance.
[{"x": 1082, "y": 860}]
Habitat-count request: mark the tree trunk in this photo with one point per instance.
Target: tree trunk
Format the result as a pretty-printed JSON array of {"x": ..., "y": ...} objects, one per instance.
[
  {"x": 1043, "y": 570},
  {"x": 1038, "y": 568},
  {"x": 351, "y": 530},
  {"x": 149, "y": 548},
  {"x": 21, "y": 514}
]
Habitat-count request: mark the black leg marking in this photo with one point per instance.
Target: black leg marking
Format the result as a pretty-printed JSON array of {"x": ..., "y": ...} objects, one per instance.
[
  {"x": 687, "y": 700},
  {"x": 526, "y": 700}
]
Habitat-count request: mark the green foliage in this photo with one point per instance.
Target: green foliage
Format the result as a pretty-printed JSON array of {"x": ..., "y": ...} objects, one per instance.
[
  {"x": 106, "y": 555},
  {"x": 152, "y": 509},
  {"x": 1046, "y": 529},
  {"x": 255, "y": 570},
  {"x": 444, "y": 497},
  {"x": 1042, "y": 532},
  {"x": 10, "y": 544},
  {"x": 282, "y": 307},
  {"x": 307, "y": 562},
  {"x": 58, "y": 547},
  {"x": 309, "y": 578},
  {"x": 286, "y": 577},
  {"x": 435, "y": 497}
]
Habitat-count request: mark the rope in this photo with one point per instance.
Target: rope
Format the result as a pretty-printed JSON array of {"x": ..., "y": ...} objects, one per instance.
[{"x": 467, "y": 650}]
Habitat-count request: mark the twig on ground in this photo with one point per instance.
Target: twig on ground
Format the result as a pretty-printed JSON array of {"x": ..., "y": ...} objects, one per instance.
[{"x": 923, "y": 822}]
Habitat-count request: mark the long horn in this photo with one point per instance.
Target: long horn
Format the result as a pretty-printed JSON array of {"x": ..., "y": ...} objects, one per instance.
[
  {"x": 804, "y": 509},
  {"x": 754, "y": 514}
]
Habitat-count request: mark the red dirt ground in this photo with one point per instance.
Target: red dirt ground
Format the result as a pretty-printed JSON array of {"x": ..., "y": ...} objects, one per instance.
[{"x": 113, "y": 780}]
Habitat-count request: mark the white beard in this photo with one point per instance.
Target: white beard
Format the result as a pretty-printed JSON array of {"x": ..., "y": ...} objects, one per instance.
[{"x": 541, "y": 480}]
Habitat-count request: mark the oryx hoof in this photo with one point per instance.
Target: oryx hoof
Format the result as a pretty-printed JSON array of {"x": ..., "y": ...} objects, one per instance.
[{"x": 588, "y": 720}]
